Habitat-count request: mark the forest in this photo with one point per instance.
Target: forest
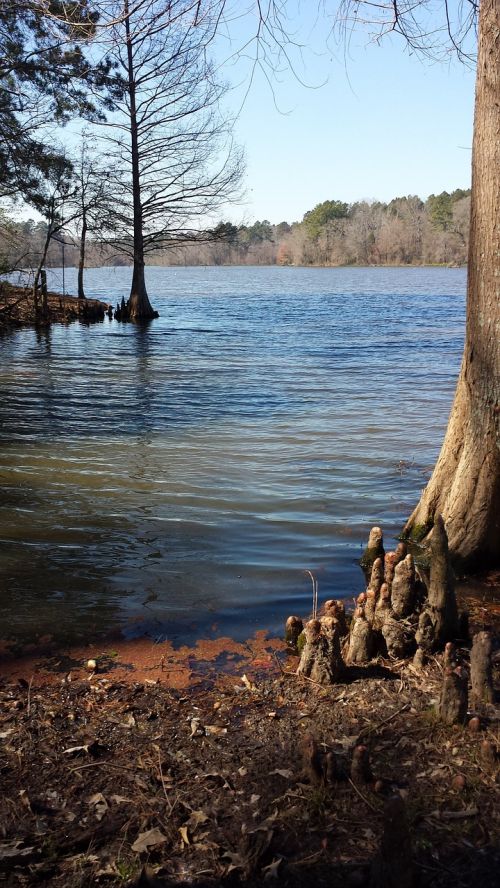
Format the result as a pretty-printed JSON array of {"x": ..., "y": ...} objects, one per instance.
[{"x": 405, "y": 231}]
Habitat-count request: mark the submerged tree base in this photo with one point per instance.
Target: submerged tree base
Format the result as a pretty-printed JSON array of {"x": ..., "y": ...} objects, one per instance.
[{"x": 131, "y": 311}]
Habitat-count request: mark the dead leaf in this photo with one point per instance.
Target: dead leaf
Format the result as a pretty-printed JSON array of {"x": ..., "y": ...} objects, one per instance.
[
  {"x": 271, "y": 871},
  {"x": 100, "y": 805},
  {"x": 76, "y": 750},
  {"x": 282, "y": 772},
  {"x": 10, "y": 850},
  {"x": 23, "y": 795},
  {"x": 196, "y": 728},
  {"x": 236, "y": 861},
  {"x": 184, "y": 835},
  {"x": 215, "y": 729},
  {"x": 195, "y": 819},
  {"x": 147, "y": 840}
]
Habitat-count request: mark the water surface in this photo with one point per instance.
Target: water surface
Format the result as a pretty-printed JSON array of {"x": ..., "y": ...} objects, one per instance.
[{"x": 179, "y": 478}]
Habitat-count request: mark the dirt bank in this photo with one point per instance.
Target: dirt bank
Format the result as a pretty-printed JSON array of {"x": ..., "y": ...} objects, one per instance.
[
  {"x": 17, "y": 309},
  {"x": 164, "y": 766}
]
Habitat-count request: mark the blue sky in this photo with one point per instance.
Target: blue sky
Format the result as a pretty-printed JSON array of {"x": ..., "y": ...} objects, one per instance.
[{"x": 384, "y": 124}]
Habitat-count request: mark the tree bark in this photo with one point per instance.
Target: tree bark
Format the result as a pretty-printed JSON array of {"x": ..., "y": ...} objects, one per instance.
[
  {"x": 321, "y": 658},
  {"x": 393, "y": 865},
  {"x": 453, "y": 700},
  {"x": 481, "y": 672},
  {"x": 139, "y": 306},
  {"x": 81, "y": 259},
  {"x": 465, "y": 485}
]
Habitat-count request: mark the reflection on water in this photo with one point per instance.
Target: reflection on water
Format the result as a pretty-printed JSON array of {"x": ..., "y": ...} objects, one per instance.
[{"x": 169, "y": 477}]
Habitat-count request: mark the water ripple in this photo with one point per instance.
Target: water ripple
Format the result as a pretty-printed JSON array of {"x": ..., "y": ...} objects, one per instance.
[{"x": 257, "y": 429}]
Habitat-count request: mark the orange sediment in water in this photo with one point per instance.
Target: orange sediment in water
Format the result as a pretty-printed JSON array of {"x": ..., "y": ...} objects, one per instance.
[{"x": 139, "y": 660}]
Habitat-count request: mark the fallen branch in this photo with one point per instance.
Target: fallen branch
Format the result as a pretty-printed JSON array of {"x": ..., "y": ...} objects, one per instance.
[{"x": 363, "y": 797}]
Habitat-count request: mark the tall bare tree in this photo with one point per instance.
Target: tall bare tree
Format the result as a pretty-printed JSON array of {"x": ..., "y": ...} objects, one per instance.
[
  {"x": 176, "y": 159},
  {"x": 93, "y": 200}
]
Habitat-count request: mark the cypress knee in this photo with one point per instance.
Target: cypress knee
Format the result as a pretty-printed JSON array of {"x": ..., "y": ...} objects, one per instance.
[{"x": 480, "y": 667}]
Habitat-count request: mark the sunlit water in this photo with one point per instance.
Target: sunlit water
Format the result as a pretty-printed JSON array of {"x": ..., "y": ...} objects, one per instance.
[{"x": 178, "y": 479}]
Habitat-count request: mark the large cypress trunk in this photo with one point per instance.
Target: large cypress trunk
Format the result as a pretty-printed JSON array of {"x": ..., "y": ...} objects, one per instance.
[{"x": 465, "y": 485}]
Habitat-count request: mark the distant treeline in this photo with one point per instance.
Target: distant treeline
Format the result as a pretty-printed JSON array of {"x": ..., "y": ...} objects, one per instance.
[{"x": 405, "y": 231}]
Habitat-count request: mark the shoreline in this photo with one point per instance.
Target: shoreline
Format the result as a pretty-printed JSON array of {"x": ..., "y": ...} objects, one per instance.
[
  {"x": 46, "y": 660},
  {"x": 17, "y": 310},
  {"x": 127, "y": 779}
]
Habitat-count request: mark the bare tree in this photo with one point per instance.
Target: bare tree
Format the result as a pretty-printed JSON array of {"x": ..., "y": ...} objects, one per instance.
[
  {"x": 93, "y": 200},
  {"x": 176, "y": 160},
  {"x": 56, "y": 205}
]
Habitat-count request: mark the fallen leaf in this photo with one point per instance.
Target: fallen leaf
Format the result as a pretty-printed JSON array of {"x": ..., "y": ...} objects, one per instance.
[
  {"x": 23, "y": 795},
  {"x": 215, "y": 729},
  {"x": 184, "y": 835},
  {"x": 271, "y": 871},
  {"x": 196, "y": 729},
  {"x": 13, "y": 849},
  {"x": 100, "y": 805},
  {"x": 282, "y": 772},
  {"x": 148, "y": 839},
  {"x": 248, "y": 684},
  {"x": 195, "y": 819},
  {"x": 75, "y": 750},
  {"x": 236, "y": 861}
]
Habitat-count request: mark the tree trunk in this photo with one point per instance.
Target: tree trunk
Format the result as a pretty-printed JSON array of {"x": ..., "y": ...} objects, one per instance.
[
  {"x": 139, "y": 306},
  {"x": 81, "y": 260},
  {"x": 465, "y": 485},
  {"x": 38, "y": 274}
]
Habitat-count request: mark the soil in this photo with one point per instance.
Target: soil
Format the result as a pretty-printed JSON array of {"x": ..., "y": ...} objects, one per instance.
[
  {"x": 167, "y": 767},
  {"x": 17, "y": 309}
]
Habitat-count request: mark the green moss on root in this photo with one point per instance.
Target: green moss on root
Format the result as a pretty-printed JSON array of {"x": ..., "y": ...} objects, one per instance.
[
  {"x": 418, "y": 532},
  {"x": 368, "y": 557},
  {"x": 301, "y": 642}
]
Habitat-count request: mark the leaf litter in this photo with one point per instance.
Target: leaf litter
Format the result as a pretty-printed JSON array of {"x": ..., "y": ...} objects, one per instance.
[{"x": 116, "y": 781}]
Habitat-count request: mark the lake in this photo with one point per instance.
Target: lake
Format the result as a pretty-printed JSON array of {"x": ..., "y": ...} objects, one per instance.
[{"x": 178, "y": 479}]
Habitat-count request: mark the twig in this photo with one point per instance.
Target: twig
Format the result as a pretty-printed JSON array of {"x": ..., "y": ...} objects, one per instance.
[
  {"x": 306, "y": 678},
  {"x": 307, "y": 859},
  {"x": 103, "y": 765},
  {"x": 315, "y": 594},
  {"x": 275, "y": 655},
  {"x": 366, "y": 801},
  {"x": 384, "y": 721},
  {"x": 163, "y": 784},
  {"x": 455, "y": 815},
  {"x": 28, "y": 708}
]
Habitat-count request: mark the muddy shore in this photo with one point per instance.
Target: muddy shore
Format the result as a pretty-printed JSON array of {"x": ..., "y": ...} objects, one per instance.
[
  {"x": 17, "y": 309},
  {"x": 155, "y": 766}
]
